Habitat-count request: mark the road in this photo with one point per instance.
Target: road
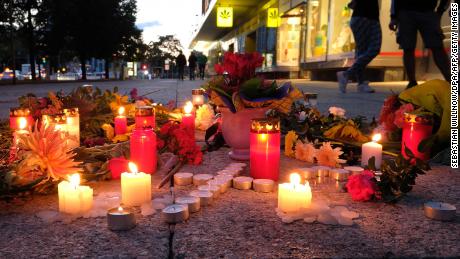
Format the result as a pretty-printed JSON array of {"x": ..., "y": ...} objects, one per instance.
[{"x": 164, "y": 90}]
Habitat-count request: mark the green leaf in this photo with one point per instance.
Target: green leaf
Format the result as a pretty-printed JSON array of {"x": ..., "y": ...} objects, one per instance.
[{"x": 407, "y": 150}]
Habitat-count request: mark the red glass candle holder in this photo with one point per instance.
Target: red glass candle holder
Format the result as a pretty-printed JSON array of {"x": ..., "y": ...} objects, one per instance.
[
  {"x": 143, "y": 148},
  {"x": 265, "y": 148},
  {"x": 144, "y": 117},
  {"x": 15, "y": 117},
  {"x": 417, "y": 127}
]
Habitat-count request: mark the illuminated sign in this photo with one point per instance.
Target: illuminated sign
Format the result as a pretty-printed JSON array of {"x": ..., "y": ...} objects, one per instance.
[
  {"x": 224, "y": 16},
  {"x": 273, "y": 18}
]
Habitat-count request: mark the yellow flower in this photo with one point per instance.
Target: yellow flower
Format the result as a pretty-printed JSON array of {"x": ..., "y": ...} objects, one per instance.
[
  {"x": 328, "y": 156},
  {"x": 109, "y": 131},
  {"x": 289, "y": 142},
  {"x": 204, "y": 117},
  {"x": 305, "y": 151}
]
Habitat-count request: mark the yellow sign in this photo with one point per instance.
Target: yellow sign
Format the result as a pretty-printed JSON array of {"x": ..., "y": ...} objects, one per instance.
[
  {"x": 224, "y": 16},
  {"x": 273, "y": 18}
]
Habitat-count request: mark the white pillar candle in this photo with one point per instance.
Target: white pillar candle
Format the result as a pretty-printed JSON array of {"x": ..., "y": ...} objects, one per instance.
[
  {"x": 73, "y": 198},
  {"x": 372, "y": 149},
  {"x": 135, "y": 187},
  {"x": 294, "y": 196}
]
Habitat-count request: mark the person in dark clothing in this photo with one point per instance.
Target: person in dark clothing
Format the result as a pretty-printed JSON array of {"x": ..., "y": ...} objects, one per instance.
[
  {"x": 202, "y": 60},
  {"x": 410, "y": 16},
  {"x": 365, "y": 26},
  {"x": 181, "y": 61},
  {"x": 192, "y": 65}
]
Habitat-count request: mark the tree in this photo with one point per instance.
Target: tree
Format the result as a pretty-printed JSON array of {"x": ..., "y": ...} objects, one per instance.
[{"x": 166, "y": 47}]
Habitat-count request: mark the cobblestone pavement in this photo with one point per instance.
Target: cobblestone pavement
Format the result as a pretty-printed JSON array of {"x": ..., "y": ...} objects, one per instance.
[{"x": 355, "y": 103}]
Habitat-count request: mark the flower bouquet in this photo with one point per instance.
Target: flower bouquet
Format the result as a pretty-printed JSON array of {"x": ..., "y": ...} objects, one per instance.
[{"x": 237, "y": 87}]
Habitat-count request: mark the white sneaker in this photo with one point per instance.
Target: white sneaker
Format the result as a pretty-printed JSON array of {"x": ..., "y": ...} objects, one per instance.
[
  {"x": 343, "y": 81},
  {"x": 365, "y": 88}
]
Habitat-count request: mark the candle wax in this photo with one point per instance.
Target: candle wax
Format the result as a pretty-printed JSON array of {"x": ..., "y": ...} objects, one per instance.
[
  {"x": 369, "y": 150},
  {"x": 121, "y": 125},
  {"x": 135, "y": 188}
]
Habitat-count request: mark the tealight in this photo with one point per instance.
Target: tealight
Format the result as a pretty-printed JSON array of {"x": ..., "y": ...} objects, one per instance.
[
  {"x": 193, "y": 203},
  {"x": 263, "y": 185},
  {"x": 222, "y": 184},
  {"x": 212, "y": 188},
  {"x": 205, "y": 197},
  {"x": 242, "y": 182},
  {"x": 183, "y": 179},
  {"x": 201, "y": 179},
  {"x": 232, "y": 172},
  {"x": 227, "y": 179},
  {"x": 175, "y": 213},
  {"x": 354, "y": 169},
  {"x": 120, "y": 219},
  {"x": 322, "y": 171},
  {"x": 440, "y": 210},
  {"x": 308, "y": 173},
  {"x": 339, "y": 174}
]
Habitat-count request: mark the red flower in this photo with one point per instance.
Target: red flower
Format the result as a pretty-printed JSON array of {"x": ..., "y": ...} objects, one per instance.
[
  {"x": 399, "y": 114},
  {"x": 362, "y": 186},
  {"x": 160, "y": 143},
  {"x": 387, "y": 116}
]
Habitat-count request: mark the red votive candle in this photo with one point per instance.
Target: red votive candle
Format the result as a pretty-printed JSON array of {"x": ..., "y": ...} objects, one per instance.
[
  {"x": 417, "y": 127},
  {"x": 145, "y": 117},
  {"x": 188, "y": 119},
  {"x": 118, "y": 165},
  {"x": 264, "y": 149},
  {"x": 17, "y": 114},
  {"x": 121, "y": 122},
  {"x": 143, "y": 147}
]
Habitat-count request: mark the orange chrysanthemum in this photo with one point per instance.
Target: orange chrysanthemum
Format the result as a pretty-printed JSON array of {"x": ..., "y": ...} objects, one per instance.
[{"x": 328, "y": 156}]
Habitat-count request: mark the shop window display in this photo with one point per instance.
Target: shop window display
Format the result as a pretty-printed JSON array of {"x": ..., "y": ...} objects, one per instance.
[
  {"x": 341, "y": 42},
  {"x": 316, "y": 39},
  {"x": 288, "y": 41}
]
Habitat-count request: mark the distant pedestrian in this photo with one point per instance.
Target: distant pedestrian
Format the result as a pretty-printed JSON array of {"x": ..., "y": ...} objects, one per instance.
[
  {"x": 192, "y": 65},
  {"x": 365, "y": 26},
  {"x": 202, "y": 60},
  {"x": 410, "y": 16},
  {"x": 181, "y": 61}
]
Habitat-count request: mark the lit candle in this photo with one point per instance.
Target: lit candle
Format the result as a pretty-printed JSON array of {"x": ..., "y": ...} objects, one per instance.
[
  {"x": 188, "y": 119},
  {"x": 20, "y": 131},
  {"x": 73, "y": 126},
  {"x": 265, "y": 149},
  {"x": 197, "y": 97},
  {"x": 242, "y": 182},
  {"x": 175, "y": 213},
  {"x": 16, "y": 114},
  {"x": 294, "y": 196},
  {"x": 416, "y": 128},
  {"x": 121, "y": 122},
  {"x": 73, "y": 198},
  {"x": 135, "y": 187},
  {"x": 120, "y": 219},
  {"x": 372, "y": 149},
  {"x": 145, "y": 117},
  {"x": 143, "y": 148}
]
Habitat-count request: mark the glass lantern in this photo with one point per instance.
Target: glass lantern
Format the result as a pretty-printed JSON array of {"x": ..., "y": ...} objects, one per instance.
[
  {"x": 197, "y": 97},
  {"x": 145, "y": 117},
  {"x": 16, "y": 115},
  {"x": 416, "y": 128}
]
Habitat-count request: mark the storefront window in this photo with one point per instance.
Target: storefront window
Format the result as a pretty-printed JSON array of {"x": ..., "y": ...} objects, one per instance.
[
  {"x": 316, "y": 40},
  {"x": 341, "y": 42},
  {"x": 288, "y": 40}
]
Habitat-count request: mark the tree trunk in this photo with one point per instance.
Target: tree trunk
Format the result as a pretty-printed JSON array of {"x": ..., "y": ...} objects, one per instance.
[
  {"x": 39, "y": 71},
  {"x": 83, "y": 67},
  {"x": 31, "y": 44},
  {"x": 106, "y": 67}
]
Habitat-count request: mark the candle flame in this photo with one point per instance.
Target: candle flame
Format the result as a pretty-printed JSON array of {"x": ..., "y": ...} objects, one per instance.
[
  {"x": 132, "y": 167},
  {"x": 22, "y": 123},
  {"x": 263, "y": 137},
  {"x": 121, "y": 110},
  {"x": 120, "y": 208},
  {"x": 74, "y": 180},
  {"x": 377, "y": 137},
  {"x": 295, "y": 178},
  {"x": 188, "y": 107}
]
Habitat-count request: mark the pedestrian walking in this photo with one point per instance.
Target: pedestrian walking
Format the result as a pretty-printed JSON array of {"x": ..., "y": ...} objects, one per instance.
[
  {"x": 410, "y": 16},
  {"x": 181, "y": 61},
  {"x": 201, "y": 60},
  {"x": 192, "y": 65},
  {"x": 365, "y": 26}
]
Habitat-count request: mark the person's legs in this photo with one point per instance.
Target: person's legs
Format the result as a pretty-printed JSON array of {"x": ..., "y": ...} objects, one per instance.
[
  {"x": 409, "y": 65},
  {"x": 407, "y": 39},
  {"x": 442, "y": 62},
  {"x": 373, "y": 49}
]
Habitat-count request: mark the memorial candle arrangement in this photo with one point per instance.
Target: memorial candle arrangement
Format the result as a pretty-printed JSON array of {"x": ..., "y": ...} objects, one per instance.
[
  {"x": 265, "y": 148},
  {"x": 121, "y": 122},
  {"x": 293, "y": 196},
  {"x": 372, "y": 149},
  {"x": 188, "y": 119},
  {"x": 144, "y": 117},
  {"x": 416, "y": 128},
  {"x": 73, "y": 126},
  {"x": 18, "y": 114},
  {"x": 143, "y": 148},
  {"x": 73, "y": 198},
  {"x": 198, "y": 97},
  {"x": 135, "y": 187}
]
